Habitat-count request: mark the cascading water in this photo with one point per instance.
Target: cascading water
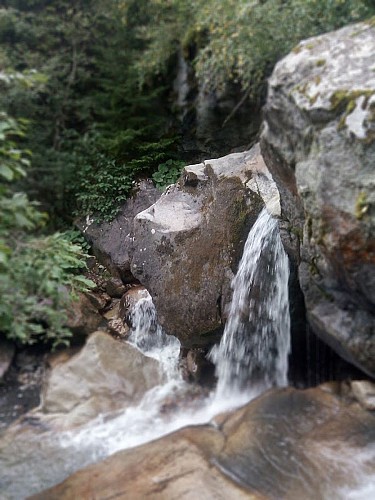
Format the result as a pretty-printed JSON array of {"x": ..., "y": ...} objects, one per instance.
[
  {"x": 256, "y": 342},
  {"x": 148, "y": 336}
]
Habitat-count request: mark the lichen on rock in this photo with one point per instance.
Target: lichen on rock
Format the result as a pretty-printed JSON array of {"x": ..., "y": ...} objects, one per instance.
[{"x": 318, "y": 142}]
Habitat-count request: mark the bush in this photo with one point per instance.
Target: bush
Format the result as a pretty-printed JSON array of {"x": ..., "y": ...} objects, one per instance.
[
  {"x": 38, "y": 274},
  {"x": 37, "y": 286},
  {"x": 167, "y": 173}
]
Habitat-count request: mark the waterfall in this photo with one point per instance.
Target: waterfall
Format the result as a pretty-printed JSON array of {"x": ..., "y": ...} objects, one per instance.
[
  {"x": 256, "y": 341},
  {"x": 148, "y": 336}
]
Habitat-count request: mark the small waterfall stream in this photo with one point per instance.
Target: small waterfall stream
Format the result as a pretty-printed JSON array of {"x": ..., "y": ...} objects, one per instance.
[
  {"x": 256, "y": 342},
  {"x": 148, "y": 336}
]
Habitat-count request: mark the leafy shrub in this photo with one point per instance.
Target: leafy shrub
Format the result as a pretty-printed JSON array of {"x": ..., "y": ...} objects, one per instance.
[
  {"x": 37, "y": 286},
  {"x": 38, "y": 275},
  {"x": 167, "y": 173},
  {"x": 101, "y": 186}
]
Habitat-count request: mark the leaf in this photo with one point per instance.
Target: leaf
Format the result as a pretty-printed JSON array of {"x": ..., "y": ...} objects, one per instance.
[{"x": 6, "y": 172}]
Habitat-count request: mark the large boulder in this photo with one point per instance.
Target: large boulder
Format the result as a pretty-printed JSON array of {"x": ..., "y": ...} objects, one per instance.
[
  {"x": 188, "y": 244},
  {"x": 317, "y": 443},
  {"x": 104, "y": 376},
  {"x": 111, "y": 241},
  {"x": 319, "y": 144}
]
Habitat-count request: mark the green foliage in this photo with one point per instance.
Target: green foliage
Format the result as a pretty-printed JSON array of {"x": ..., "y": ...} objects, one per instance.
[
  {"x": 101, "y": 186},
  {"x": 37, "y": 286},
  {"x": 88, "y": 52},
  {"x": 12, "y": 159},
  {"x": 17, "y": 212},
  {"x": 38, "y": 274},
  {"x": 167, "y": 173},
  {"x": 240, "y": 40}
]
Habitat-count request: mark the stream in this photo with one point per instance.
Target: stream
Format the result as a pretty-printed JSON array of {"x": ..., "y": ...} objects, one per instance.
[{"x": 252, "y": 356}]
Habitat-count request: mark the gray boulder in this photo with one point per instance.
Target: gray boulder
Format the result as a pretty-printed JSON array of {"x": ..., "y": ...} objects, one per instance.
[
  {"x": 111, "y": 241},
  {"x": 319, "y": 144},
  {"x": 104, "y": 376},
  {"x": 188, "y": 244}
]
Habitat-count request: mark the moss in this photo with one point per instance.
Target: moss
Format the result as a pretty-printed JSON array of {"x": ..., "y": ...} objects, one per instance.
[
  {"x": 361, "y": 205},
  {"x": 297, "y": 49},
  {"x": 320, "y": 62},
  {"x": 370, "y": 23},
  {"x": 342, "y": 123},
  {"x": 297, "y": 231},
  {"x": 343, "y": 98}
]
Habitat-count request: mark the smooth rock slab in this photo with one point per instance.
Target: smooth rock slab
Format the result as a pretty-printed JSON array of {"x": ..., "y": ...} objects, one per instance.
[
  {"x": 319, "y": 144},
  {"x": 287, "y": 444},
  {"x": 105, "y": 375}
]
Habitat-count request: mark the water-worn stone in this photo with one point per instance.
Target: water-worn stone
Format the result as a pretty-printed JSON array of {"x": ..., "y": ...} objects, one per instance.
[
  {"x": 115, "y": 288},
  {"x": 286, "y": 444},
  {"x": 83, "y": 317},
  {"x": 319, "y": 144},
  {"x": 188, "y": 244},
  {"x": 111, "y": 241},
  {"x": 104, "y": 376}
]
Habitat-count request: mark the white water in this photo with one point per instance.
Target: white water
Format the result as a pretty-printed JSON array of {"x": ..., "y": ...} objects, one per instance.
[
  {"x": 253, "y": 352},
  {"x": 148, "y": 337},
  {"x": 255, "y": 346}
]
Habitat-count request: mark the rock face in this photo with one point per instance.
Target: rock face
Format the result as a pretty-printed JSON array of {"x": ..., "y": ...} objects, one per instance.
[
  {"x": 319, "y": 144},
  {"x": 112, "y": 241},
  {"x": 208, "y": 125},
  {"x": 7, "y": 350},
  {"x": 282, "y": 445},
  {"x": 83, "y": 317},
  {"x": 104, "y": 376},
  {"x": 188, "y": 244}
]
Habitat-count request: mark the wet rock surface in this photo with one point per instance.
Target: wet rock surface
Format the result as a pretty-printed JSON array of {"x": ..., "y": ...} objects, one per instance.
[
  {"x": 286, "y": 444},
  {"x": 188, "y": 244},
  {"x": 83, "y": 315},
  {"x": 319, "y": 144}
]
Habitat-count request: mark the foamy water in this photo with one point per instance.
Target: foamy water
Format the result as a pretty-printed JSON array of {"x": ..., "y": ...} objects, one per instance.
[{"x": 254, "y": 349}]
